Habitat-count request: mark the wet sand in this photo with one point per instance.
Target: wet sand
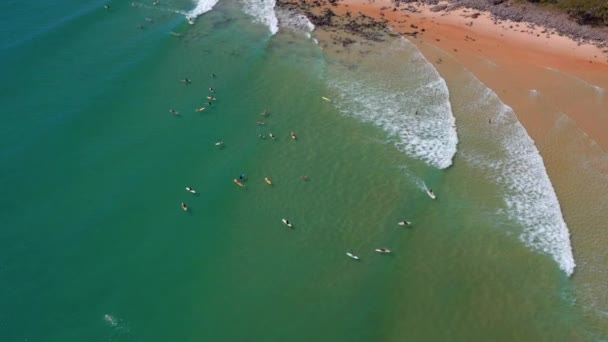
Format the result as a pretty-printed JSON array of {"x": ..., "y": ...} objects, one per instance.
[{"x": 558, "y": 89}]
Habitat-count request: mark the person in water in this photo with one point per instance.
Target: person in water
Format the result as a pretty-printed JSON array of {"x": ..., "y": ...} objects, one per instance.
[
  {"x": 242, "y": 176},
  {"x": 212, "y": 75}
]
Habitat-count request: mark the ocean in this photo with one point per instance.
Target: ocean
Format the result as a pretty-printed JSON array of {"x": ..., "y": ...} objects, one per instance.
[{"x": 95, "y": 247}]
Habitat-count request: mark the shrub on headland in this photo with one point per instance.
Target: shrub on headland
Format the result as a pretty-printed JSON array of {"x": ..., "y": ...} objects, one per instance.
[{"x": 586, "y": 12}]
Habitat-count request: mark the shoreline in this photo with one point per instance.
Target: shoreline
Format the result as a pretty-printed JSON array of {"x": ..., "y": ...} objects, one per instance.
[
  {"x": 522, "y": 57},
  {"x": 555, "y": 85}
]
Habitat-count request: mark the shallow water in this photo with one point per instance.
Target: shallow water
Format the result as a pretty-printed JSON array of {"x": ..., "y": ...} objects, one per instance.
[{"x": 96, "y": 247}]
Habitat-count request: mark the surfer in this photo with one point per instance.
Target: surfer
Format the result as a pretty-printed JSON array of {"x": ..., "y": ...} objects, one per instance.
[
  {"x": 156, "y": 3},
  {"x": 404, "y": 223},
  {"x": 173, "y": 112},
  {"x": 190, "y": 190},
  {"x": 200, "y": 109},
  {"x": 219, "y": 143},
  {"x": 272, "y": 136},
  {"x": 261, "y": 136},
  {"x": 184, "y": 206},
  {"x": 211, "y": 98},
  {"x": 106, "y": 7},
  {"x": 186, "y": 81},
  {"x": 293, "y": 136},
  {"x": 261, "y": 123},
  {"x": 382, "y": 250},
  {"x": 287, "y": 223},
  {"x": 108, "y": 318},
  {"x": 211, "y": 90},
  {"x": 212, "y": 75}
]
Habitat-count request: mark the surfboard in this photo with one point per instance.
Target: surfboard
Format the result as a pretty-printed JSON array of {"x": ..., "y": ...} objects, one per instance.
[
  {"x": 268, "y": 181},
  {"x": 352, "y": 255},
  {"x": 236, "y": 181},
  {"x": 326, "y": 99}
]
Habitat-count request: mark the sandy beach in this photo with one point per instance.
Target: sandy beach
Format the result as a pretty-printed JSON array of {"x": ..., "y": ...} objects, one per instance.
[{"x": 556, "y": 86}]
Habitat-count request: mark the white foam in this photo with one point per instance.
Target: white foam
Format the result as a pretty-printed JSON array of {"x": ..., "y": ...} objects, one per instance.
[
  {"x": 520, "y": 171},
  {"x": 263, "y": 12},
  {"x": 202, "y": 7},
  {"x": 295, "y": 21},
  {"x": 391, "y": 97}
]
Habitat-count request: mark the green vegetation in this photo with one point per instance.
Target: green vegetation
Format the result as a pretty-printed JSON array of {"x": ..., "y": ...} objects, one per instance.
[{"x": 585, "y": 12}]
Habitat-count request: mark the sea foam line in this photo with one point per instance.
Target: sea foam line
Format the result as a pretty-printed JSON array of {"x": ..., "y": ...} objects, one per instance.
[
  {"x": 519, "y": 170},
  {"x": 410, "y": 101},
  {"x": 263, "y": 12}
]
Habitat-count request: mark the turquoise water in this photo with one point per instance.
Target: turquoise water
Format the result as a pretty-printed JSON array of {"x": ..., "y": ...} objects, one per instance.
[{"x": 94, "y": 245}]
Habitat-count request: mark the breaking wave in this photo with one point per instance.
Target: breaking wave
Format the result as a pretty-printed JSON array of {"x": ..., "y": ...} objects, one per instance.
[
  {"x": 407, "y": 99},
  {"x": 295, "y": 21},
  {"x": 518, "y": 168},
  {"x": 263, "y": 12},
  {"x": 202, "y": 7}
]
